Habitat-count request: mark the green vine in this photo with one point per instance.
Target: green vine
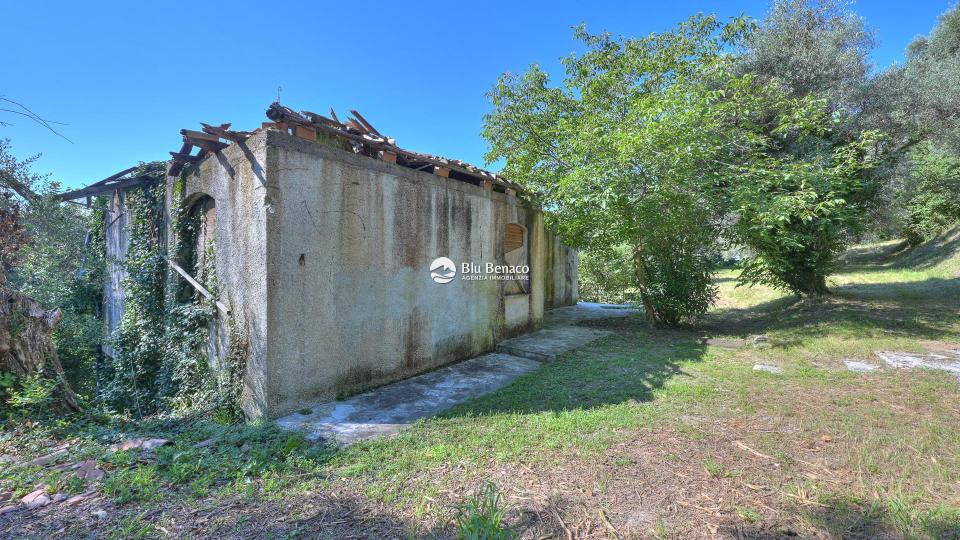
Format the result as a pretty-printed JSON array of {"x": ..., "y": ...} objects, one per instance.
[{"x": 163, "y": 355}]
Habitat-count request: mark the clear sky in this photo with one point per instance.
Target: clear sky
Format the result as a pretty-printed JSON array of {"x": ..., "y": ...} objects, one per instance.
[{"x": 127, "y": 76}]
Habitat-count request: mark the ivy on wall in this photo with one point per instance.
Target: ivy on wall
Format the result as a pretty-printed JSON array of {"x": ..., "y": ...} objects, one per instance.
[{"x": 162, "y": 359}]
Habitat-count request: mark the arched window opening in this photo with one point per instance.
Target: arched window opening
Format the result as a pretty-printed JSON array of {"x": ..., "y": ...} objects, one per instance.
[{"x": 197, "y": 232}]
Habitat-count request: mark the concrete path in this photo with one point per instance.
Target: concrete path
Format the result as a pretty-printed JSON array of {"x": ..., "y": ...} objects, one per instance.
[{"x": 388, "y": 409}]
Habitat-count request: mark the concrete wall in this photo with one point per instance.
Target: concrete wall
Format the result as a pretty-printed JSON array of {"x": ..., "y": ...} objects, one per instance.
[
  {"x": 236, "y": 179},
  {"x": 117, "y": 244},
  {"x": 324, "y": 257},
  {"x": 561, "y": 285}
]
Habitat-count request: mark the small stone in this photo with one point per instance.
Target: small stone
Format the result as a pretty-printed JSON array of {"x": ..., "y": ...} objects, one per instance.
[
  {"x": 145, "y": 444},
  {"x": 768, "y": 368},
  {"x": 151, "y": 444},
  {"x": 49, "y": 458},
  {"x": 724, "y": 343},
  {"x": 88, "y": 470},
  {"x": 77, "y": 499},
  {"x": 60, "y": 496},
  {"x": 245, "y": 448},
  {"x": 36, "y": 499},
  {"x": 858, "y": 366},
  {"x": 99, "y": 514}
]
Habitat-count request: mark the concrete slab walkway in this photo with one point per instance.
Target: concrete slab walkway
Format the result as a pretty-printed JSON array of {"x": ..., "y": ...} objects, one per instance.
[{"x": 388, "y": 409}]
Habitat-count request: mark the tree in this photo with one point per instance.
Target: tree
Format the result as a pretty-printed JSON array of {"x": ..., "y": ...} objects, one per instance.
[
  {"x": 628, "y": 150},
  {"x": 660, "y": 142},
  {"x": 816, "y": 47},
  {"x": 797, "y": 214},
  {"x": 58, "y": 268},
  {"x": 913, "y": 105},
  {"x": 805, "y": 194}
]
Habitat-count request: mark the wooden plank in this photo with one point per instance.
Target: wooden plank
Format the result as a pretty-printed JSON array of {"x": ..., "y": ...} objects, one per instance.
[
  {"x": 196, "y": 285},
  {"x": 208, "y": 145},
  {"x": 513, "y": 237},
  {"x": 185, "y": 157},
  {"x": 388, "y": 156},
  {"x": 443, "y": 172},
  {"x": 366, "y": 124},
  {"x": 100, "y": 189},
  {"x": 199, "y": 135},
  {"x": 224, "y": 132},
  {"x": 486, "y": 184}
]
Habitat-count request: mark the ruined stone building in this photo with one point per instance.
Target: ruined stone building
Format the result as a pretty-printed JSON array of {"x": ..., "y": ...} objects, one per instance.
[{"x": 323, "y": 236}]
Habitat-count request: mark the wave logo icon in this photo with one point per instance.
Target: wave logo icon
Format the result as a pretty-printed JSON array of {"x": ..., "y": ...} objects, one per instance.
[{"x": 442, "y": 270}]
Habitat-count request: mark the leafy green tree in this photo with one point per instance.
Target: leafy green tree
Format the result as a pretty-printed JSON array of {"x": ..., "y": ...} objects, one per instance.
[
  {"x": 628, "y": 151},
  {"x": 930, "y": 201},
  {"x": 914, "y": 105},
  {"x": 798, "y": 214},
  {"x": 61, "y": 265},
  {"x": 801, "y": 198}
]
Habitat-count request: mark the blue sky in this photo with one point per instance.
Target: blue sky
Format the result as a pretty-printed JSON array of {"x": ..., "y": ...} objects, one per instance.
[{"x": 127, "y": 76}]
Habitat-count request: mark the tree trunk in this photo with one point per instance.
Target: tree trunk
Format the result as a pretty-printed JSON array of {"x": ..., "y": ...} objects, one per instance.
[
  {"x": 26, "y": 342},
  {"x": 640, "y": 272}
]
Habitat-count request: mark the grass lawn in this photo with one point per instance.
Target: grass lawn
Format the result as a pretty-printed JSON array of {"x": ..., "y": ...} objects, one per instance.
[{"x": 645, "y": 433}]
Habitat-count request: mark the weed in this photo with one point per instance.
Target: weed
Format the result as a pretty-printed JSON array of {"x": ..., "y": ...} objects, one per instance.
[{"x": 481, "y": 517}]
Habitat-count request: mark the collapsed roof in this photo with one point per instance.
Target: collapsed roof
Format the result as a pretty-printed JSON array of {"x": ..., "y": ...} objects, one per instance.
[{"x": 355, "y": 134}]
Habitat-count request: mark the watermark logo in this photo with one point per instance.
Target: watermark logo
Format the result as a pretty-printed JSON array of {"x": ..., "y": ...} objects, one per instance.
[{"x": 442, "y": 270}]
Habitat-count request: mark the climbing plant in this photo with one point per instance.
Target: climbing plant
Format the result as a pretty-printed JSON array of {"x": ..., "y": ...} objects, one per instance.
[{"x": 162, "y": 344}]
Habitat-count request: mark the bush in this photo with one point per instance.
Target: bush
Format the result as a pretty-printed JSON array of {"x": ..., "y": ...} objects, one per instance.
[
  {"x": 797, "y": 215},
  {"x": 606, "y": 275}
]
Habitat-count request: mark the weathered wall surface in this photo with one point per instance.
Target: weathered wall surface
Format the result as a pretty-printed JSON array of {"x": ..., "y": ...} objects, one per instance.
[
  {"x": 323, "y": 257},
  {"x": 237, "y": 181},
  {"x": 351, "y": 300},
  {"x": 560, "y": 285},
  {"x": 117, "y": 244}
]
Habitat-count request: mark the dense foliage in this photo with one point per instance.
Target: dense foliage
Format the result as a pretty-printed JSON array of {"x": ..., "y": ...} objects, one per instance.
[
  {"x": 161, "y": 360},
  {"x": 670, "y": 145},
  {"x": 59, "y": 261}
]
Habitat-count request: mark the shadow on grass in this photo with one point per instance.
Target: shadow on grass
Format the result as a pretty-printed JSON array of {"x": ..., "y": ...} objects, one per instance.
[
  {"x": 629, "y": 366},
  {"x": 920, "y": 309},
  {"x": 255, "y": 478},
  {"x": 892, "y": 520},
  {"x": 900, "y": 256}
]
